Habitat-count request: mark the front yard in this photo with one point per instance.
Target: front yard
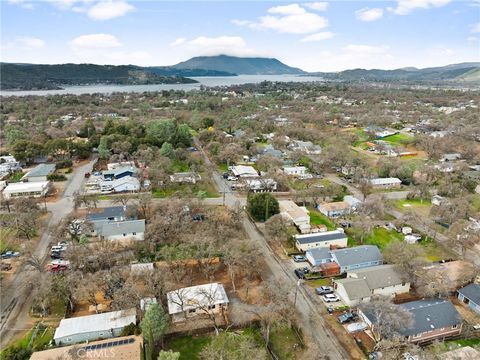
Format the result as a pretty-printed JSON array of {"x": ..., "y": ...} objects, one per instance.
[{"x": 200, "y": 190}]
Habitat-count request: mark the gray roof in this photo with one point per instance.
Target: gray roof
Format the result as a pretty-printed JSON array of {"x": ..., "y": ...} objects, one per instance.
[
  {"x": 41, "y": 170},
  {"x": 431, "y": 314},
  {"x": 120, "y": 170},
  {"x": 122, "y": 227},
  {"x": 357, "y": 255},
  {"x": 355, "y": 288},
  {"x": 325, "y": 236},
  {"x": 320, "y": 253},
  {"x": 379, "y": 276},
  {"x": 472, "y": 292},
  {"x": 109, "y": 212}
]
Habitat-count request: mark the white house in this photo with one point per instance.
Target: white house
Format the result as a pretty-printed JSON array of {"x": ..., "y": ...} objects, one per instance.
[
  {"x": 360, "y": 285},
  {"x": 123, "y": 184},
  {"x": 27, "y": 189},
  {"x": 295, "y": 170},
  {"x": 93, "y": 327},
  {"x": 197, "y": 300},
  {"x": 385, "y": 183},
  {"x": 327, "y": 239},
  {"x": 298, "y": 215},
  {"x": 261, "y": 185},
  {"x": 243, "y": 171},
  {"x": 185, "y": 177},
  {"x": 120, "y": 230},
  {"x": 335, "y": 209}
]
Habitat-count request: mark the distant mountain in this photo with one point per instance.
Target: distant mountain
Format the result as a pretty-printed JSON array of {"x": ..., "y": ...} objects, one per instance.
[
  {"x": 171, "y": 71},
  {"x": 454, "y": 72},
  {"x": 239, "y": 65},
  {"x": 36, "y": 77}
]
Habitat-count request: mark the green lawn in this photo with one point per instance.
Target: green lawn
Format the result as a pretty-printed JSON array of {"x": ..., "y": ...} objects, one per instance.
[
  {"x": 189, "y": 347},
  {"x": 399, "y": 139},
  {"x": 15, "y": 177},
  {"x": 284, "y": 342},
  {"x": 380, "y": 237},
  {"x": 27, "y": 344},
  {"x": 362, "y": 136},
  {"x": 223, "y": 167},
  {"x": 316, "y": 218},
  {"x": 186, "y": 189},
  {"x": 319, "y": 282},
  {"x": 435, "y": 252}
]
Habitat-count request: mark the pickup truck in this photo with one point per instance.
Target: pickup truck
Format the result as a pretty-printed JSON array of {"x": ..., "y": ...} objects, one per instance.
[
  {"x": 10, "y": 254},
  {"x": 301, "y": 272},
  {"x": 346, "y": 317}
]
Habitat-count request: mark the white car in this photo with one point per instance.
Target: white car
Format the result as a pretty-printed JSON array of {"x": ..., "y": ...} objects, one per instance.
[
  {"x": 330, "y": 298},
  {"x": 232, "y": 178}
]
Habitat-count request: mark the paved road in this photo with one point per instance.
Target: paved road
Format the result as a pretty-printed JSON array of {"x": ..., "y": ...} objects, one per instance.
[
  {"x": 15, "y": 298},
  {"x": 311, "y": 321}
]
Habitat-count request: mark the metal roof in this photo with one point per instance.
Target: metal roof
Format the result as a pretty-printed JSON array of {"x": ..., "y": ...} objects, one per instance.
[
  {"x": 40, "y": 170},
  {"x": 357, "y": 255},
  {"x": 471, "y": 292},
  {"x": 378, "y": 276},
  {"x": 320, "y": 253},
  {"x": 121, "y": 227},
  {"x": 94, "y": 323},
  {"x": 109, "y": 212},
  {"x": 355, "y": 288},
  {"x": 321, "y": 236}
]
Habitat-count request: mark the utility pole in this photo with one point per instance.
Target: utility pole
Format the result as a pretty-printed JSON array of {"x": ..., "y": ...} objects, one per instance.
[{"x": 299, "y": 282}]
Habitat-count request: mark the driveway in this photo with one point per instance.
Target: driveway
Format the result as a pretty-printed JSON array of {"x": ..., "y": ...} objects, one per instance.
[{"x": 15, "y": 299}]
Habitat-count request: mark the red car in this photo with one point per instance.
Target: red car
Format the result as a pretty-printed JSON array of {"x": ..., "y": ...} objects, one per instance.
[{"x": 56, "y": 268}]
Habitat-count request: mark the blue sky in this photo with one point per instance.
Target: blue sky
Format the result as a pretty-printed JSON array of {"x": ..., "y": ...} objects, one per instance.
[{"x": 315, "y": 36}]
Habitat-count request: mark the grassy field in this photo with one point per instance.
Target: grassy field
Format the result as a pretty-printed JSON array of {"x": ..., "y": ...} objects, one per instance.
[
  {"x": 186, "y": 189},
  {"x": 319, "y": 282},
  {"x": 285, "y": 342},
  {"x": 15, "y": 177},
  {"x": 316, "y": 218},
  {"x": 420, "y": 207},
  {"x": 399, "y": 139},
  {"x": 380, "y": 237},
  {"x": 189, "y": 347},
  {"x": 28, "y": 343},
  {"x": 435, "y": 252}
]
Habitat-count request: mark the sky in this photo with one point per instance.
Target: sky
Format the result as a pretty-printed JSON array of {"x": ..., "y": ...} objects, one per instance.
[{"x": 314, "y": 36}]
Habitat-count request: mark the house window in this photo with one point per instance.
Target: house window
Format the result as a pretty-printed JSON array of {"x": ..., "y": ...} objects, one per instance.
[
  {"x": 416, "y": 336},
  {"x": 210, "y": 307},
  {"x": 455, "y": 326}
]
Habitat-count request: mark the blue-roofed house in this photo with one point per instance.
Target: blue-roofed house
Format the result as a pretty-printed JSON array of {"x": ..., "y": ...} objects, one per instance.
[
  {"x": 318, "y": 256},
  {"x": 470, "y": 295},
  {"x": 357, "y": 257},
  {"x": 119, "y": 173},
  {"x": 327, "y": 239},
  {"x": 432, "y": 320}
]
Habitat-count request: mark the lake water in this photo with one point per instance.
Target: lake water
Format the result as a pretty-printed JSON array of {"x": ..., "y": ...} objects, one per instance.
[{"x": 206, "y": 81}]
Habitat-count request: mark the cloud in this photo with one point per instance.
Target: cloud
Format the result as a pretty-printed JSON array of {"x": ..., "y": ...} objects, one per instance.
[
  {"x": 27, "y": 42},
  {"x": 228, "y": 45},
  {"x": 367, "y": 14},
  {"x": 95, "y": 41},
  {"x": 106, "y": 10},
  {"x": 472, "y": 38},
  {"x": 475, "y": 28},
  {"x": 23, "y": 4},
  {"x": 292, "y": 9},
  {"x": 405, "y": 7},
  {"x": 287, "y": 19},
  {"x": 325, "y": 35},
  {"x": 318, "y": 6}
]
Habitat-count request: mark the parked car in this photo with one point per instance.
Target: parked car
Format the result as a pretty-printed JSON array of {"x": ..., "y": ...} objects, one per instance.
[
  {"x": 56, "y": 268},
  {"x": 346, "y": 317},
  {"x": 225, "y": 175},
  {"x": 9, "y": 254},
  {"x": 232, "y": 178},
  {"x": 87, "y": 175},
  {"x": 58, "y": 248},
  {"x": 56, "y": 255},
  {"x": 323, "y": 290},
  {"x": 199, "y": 217},
  {"x": 5, "y": 267},
  {"x": 299, "y": 258},
  {"x": 330, "y": 298},
  {"x": 301, "y": 272}
]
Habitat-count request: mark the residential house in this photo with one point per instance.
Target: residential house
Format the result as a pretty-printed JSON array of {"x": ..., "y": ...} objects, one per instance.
[
  {"x": 306, "y": 147},
  {"x": 120, "y": 230},
  {"x": 112, "y": 213},
  {"x": 432, "y": 320},
  {"x": 28, "y": 189},
  {"x": 298, "y": 215},
  {"x": 120, "y": 172},
  {"x": 335, "y": 209},
  {"x": 438, "y": 200},
  {"x": 385, "y": 183},
  {"x": 8, "y": 164},
  {"x": 119, "y": 165},
  {"x": 122, "y": 184},
  {"x": 353, "y": 202},
  {"x": 360, "y": 285},
  {"x": 327, "y": 239},
  {"x": 244, "y": 171},
  {"x": 39, "y": 173},
  {"x": 197, "y": 300},
  {"x": 357, "y": 257},
  {"x": 94, "y": 327},
  {"x": 318, "y": 256},
  {"x": 470, "y": 295},
  {"x": 122, "y": 348},
  {"x": 185, "y": 177},
  {"x": 451, "y": 157},
  {"x": 269, "y": 150},
  {"x": 298, "y": 171},
  {"x": 261, "y": 185}
]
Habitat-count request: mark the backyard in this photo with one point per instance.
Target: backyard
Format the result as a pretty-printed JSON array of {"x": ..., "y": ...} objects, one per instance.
[{"x": 317, "y": 218}]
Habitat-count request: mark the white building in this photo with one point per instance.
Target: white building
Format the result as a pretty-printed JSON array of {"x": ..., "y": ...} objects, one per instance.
[
  {"x": 261, "y": 185},
  {"x": 298, "y": 215},
  {"x": 197, "y": 300},
  {"x": 27, "y": 189},
  {"x": 386, "y": 183},
  {"x": 93, "y": 327},
  {"x": 124, "y": 184},
  {"x": 243, "y": 171},
  {"x": 360, "y": 285},
  {"x": 39, "y": 173},
  {"x": 295, "y": 170},
  {"x": 120, "y": 230},
  {"x": 327, "y": 239}
]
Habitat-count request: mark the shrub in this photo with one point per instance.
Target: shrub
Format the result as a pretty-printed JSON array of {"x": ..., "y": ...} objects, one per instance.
[
  {"x": 62, "y": 164},
  {"x": 56, "y": 177},
  {"x": 262, "y": 206}
]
